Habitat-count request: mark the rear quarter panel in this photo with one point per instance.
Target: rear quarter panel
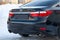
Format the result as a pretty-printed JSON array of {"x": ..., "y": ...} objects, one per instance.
[{"x": 55, "y": 16}]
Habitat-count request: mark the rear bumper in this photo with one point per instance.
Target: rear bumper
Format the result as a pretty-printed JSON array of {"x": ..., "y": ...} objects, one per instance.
[
  {"x": 31, "y": 28},
  {"x": 20, "y": 28}
]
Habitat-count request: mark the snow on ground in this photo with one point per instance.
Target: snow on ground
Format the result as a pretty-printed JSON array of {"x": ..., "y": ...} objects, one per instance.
[{"x": 4, "y": 11}]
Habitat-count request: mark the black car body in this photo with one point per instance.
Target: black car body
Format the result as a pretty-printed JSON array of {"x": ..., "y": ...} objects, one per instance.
[{"x": 31, "y": 18}]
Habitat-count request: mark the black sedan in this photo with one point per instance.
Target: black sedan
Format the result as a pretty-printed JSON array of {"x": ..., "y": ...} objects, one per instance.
[{"x": 33, "y": 18}]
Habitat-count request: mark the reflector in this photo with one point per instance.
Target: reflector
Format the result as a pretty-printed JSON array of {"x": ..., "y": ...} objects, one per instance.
[{"x": 42, "y": 29}]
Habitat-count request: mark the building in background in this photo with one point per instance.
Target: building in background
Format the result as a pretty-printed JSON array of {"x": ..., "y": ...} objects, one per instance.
[
  {"x": 14, "y": 1},
  {"x": 2, "y": 2},
  {"x": 24, "y": 1}
]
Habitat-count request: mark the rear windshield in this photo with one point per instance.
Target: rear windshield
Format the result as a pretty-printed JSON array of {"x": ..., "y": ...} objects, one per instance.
[{"x": 41, "y": 3}]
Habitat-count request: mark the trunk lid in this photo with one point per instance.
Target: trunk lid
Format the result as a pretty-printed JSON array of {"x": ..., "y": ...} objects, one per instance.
[{"x": 24, "y": 13}]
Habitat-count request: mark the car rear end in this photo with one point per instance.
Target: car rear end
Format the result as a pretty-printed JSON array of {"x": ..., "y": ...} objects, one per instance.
[
  {"x": 30, "y": 20},
  {"x": 27, "y": 21}
]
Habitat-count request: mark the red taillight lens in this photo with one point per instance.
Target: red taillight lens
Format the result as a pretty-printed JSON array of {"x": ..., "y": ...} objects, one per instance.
[
  {"x": 34, "y": 14},
  {"x": 43, "y": 29},
  {"x": 11, "y": 14},
  {"x": 41, "y": 13},
  {"x": 45, "y": 13}
]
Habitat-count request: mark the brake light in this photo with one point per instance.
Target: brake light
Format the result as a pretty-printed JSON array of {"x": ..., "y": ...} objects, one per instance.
[
  {"x": 45, "y": 13},
  {"x": 34, "y": 14},
  {"x": 11, "y": 14},
  {"x": 43, "y": 29},
  {"x": 41, "y": 13}
]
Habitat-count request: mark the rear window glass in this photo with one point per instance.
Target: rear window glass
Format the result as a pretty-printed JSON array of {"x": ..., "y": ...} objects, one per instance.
[{"x": 41, "y": 3}]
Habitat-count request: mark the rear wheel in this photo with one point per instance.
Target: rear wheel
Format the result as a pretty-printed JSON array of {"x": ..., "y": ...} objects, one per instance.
[{"x": 24, "y": 35}]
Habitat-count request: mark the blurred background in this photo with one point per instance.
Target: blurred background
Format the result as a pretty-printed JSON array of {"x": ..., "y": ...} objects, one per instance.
[{"x": 14, "y": 1}]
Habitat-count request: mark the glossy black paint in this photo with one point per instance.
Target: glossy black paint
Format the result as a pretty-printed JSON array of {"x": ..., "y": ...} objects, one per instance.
[{"x": 18, "y": 24}]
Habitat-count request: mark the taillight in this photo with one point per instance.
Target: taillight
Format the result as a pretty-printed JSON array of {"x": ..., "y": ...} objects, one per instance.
[
  {"x": 11, "y": 14},
  {"x": 45, "y": 13},
  {"x": 41, "y": 13},
  {"x": 34, "y": 14}
]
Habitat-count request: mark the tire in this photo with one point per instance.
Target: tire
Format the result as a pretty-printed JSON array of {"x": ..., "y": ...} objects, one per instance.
[{"x": 24, "y": 35}]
